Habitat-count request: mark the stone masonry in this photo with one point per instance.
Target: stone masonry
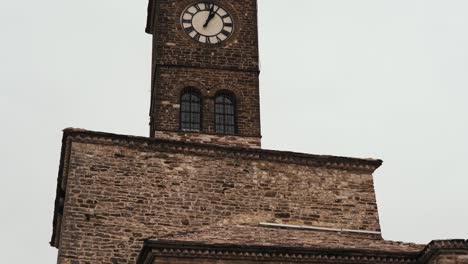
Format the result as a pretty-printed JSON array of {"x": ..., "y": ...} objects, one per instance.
[
  {"x": 244, "y": 85},
  {"x": 228, "y": 140},
  {"x": 122, "y": 190},
  {"x": 179, "y": 62}
]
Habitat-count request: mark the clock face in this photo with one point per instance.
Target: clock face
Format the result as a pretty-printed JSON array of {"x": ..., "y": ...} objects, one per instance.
[{"x": 207, "y": 23}]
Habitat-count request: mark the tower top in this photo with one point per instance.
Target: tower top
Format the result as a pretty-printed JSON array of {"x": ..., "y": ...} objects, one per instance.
[{"x": 205, "y": 83}]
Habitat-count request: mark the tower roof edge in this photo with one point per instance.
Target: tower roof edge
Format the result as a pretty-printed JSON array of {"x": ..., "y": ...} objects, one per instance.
[{"x": 150, "y": 17}]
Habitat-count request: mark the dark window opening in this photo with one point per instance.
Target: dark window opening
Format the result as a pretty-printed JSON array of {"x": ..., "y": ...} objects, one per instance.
[
  {"x": 190, "y": 110},
  {"x": 225, "y": 114}
]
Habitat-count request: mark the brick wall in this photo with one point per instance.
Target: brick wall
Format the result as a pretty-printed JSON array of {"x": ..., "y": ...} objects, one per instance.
[{"x": 120, "y": 192}]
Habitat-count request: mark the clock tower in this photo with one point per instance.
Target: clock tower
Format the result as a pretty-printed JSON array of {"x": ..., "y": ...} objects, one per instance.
[{"x": 205, "y": 71}]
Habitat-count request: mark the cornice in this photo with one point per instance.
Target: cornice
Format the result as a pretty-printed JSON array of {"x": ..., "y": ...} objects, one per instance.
[
  {"x": 442, "y": 245},
  {"x": 154, "y": 248},
  {"x": 60, "y": 192},
  {"x": 150, "y": 18},
  {"x": 320, "y": 161}
]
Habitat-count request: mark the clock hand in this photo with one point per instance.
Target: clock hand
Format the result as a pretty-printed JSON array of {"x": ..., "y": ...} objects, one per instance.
[{"x": 210, "y": 16}]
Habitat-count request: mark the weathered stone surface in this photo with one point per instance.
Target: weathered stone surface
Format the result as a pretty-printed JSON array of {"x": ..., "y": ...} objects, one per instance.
[
  {"x": 252, "y": 234},
  {"x": 121, "y": 190},
  {"x": 446, "y": 252},
  {"x": 231, "y": 141},
  {"x": 451, "y": 257}
]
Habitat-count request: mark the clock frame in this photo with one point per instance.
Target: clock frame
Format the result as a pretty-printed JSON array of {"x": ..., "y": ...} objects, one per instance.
[{"x": 207, "y": 22}]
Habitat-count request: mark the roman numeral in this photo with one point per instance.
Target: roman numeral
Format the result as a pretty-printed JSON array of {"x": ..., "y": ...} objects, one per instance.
[
  {"x": 225, "y": 33},
  {"x": 197, "y": 7},
  {"x": 189, "y": 29},
  {"x": 207, "y": 6},
  {"x": 228, "y": 24},
  {"x": 197, "y": 37},
  {"x": 208, "y": 41},
  {"x": 218, "y": 39},
  {"x": 187, "y": 21},
  {"x": 225, "y": 16}
]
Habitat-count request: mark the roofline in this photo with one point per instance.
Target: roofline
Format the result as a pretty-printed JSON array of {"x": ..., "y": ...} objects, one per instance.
[
  {"x": 152, "y": 248},
  {"x": 150, "y": 18},
  {"x": 54, "y": 242},
  {"x": 325, "y": 161},
  {"x": 318, "y": 228},
  {"x": 436, "y": 246}
]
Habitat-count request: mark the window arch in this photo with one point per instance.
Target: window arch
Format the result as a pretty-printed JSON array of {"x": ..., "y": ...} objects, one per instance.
[
  {"x": 190, "y": 110},
  {"x": 225, "y": 113}
]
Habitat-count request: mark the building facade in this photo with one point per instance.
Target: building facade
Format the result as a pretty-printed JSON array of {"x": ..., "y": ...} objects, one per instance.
[{"x": 201, "y": 189}]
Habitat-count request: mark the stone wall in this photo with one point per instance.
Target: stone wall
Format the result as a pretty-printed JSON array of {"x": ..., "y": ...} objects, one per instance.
[
  {"x": 180, "y": 62},
  {"x": 172, "y": 81},
  {"x": 231, "y": 141},
  {"x": 172, "y": 46},
  {"x": 121, "y": 190}
]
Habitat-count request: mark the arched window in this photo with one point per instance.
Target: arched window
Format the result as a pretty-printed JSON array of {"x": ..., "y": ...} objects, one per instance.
[
  {"x": 225, "y": 114},
  {"x": 190, "y": 110}
]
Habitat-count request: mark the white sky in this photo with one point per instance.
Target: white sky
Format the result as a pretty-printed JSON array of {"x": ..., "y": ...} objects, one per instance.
[{"x": 366, "y": 78}]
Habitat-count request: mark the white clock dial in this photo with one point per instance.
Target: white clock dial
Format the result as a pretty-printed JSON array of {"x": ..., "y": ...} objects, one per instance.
[{"x": 207, "y": 23}]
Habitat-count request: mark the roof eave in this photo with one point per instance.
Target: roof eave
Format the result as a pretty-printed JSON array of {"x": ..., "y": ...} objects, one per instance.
[
  {"x": 59, "y": 193},
  {"x": 152, "y": 248},
  {"x": 150, "y": 17}
]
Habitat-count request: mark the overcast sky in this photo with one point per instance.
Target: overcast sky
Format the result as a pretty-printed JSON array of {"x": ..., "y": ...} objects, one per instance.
[{"x": 362, "y": 78}]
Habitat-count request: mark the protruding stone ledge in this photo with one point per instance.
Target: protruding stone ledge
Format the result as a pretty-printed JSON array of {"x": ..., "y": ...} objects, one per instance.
[
  {"x": 449, "y": 248},
  {"x": 439, "y": 251},
  {"x": 161, "y": 248},
  {"x": 323, "y": 161}
]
